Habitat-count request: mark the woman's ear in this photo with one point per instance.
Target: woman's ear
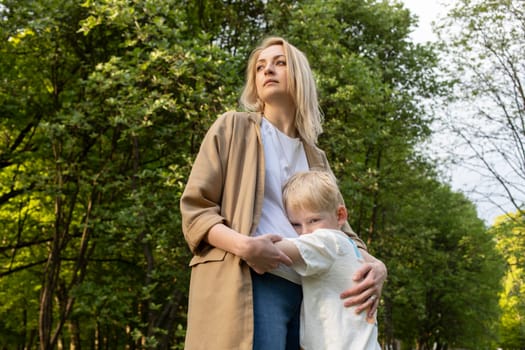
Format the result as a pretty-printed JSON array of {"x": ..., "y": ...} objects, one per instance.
[{"x": 342, "y": 214}]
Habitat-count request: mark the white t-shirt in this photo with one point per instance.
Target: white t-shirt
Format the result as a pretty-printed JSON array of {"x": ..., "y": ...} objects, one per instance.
[
  {"x": 284, "y": 156},
  {"x": 331, "y": 258}
]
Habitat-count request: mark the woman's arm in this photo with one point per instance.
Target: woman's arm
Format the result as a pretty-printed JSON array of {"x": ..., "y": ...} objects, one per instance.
[{"x": 259, "y": 252}]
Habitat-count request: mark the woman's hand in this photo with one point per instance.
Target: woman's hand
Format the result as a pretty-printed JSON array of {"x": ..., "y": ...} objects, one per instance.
[
  {"x": 365, "y": 295},
  {"x": 262, "y": 255},
  {"x": 259, "y": 252}
]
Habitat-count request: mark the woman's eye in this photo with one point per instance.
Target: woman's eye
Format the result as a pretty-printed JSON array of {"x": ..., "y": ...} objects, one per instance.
[
  {"x": 259, "y": 68},
  {"x": 281, "y": 63}
]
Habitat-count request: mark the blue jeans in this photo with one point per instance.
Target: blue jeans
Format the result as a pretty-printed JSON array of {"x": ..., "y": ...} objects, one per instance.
[{"x": 276, "y": 309}]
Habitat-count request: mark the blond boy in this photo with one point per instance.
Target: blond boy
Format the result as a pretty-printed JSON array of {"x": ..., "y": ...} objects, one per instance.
[{"x": 326, "y": 258}]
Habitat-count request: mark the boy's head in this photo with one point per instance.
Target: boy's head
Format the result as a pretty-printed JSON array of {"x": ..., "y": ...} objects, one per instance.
[{"x": 312, "y": 200}]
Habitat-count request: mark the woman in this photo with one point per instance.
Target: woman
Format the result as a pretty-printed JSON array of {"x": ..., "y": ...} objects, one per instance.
[{"x": 242, "y": 294}]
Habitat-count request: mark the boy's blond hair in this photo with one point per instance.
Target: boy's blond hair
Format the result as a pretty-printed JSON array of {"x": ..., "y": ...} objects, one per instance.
[
  {"x": 314, "y": 190},
  {"x": 301, "y": 85}
]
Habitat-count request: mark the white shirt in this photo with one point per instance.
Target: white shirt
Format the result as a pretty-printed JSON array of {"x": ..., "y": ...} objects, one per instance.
[
  {"x": 331, "y": 258},
  {"x": 283, "y": 156}
]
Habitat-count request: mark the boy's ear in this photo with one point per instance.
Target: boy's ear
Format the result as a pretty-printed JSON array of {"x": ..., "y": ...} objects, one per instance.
[{"x": 342, "y": 215}]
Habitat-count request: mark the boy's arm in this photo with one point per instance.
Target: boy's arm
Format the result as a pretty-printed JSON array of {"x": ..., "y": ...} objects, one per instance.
[{"x": 291, "y": 250}]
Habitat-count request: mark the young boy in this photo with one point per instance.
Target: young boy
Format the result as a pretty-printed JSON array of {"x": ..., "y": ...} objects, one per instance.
[{"x": 326, "y": 259}]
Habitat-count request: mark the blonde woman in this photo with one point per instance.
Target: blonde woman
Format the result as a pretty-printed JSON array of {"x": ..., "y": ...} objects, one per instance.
[{"x": 243, "y": 294}]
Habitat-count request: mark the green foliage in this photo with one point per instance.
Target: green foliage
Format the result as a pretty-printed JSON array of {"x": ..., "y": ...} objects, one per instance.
[
  {"x": 104, "y": 106},
  {"x": 510, "y": 232},
  {"x": 441, "y": 262},
  {"x": 100, "y": 162},
  {"x": 484, "y": 43}
]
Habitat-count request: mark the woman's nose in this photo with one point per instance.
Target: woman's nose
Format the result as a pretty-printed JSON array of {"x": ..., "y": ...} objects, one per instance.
[{"x": 269, "y": 68}]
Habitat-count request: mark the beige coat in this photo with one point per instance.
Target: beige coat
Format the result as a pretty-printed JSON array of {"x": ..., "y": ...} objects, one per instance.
[{"x": 226, "y": 185}]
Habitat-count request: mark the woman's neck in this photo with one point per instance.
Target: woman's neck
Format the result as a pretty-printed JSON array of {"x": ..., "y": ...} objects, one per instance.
[{"x": 282, "y": 119}]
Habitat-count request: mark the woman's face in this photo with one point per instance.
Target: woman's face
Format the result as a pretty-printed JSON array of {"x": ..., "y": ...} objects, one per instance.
[{"x": 271, "y": 74}]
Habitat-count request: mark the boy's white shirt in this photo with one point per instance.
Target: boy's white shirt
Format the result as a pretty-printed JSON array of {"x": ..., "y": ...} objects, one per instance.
[{"x": 330, "y": 260}]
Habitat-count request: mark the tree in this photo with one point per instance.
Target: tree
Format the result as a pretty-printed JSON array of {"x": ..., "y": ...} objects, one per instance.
[
  {"x": 104, "y": 105},
  {"x": 95, "y": 98},
  {"x": 484, "y": 57},
  {"x": 370, "y": 77},
  {"x": 510, "y": 232},
  {"x": 441, "y": 259}
]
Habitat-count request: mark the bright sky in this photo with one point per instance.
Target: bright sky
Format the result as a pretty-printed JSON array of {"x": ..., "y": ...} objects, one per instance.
[{"x": 427, "y": 11}]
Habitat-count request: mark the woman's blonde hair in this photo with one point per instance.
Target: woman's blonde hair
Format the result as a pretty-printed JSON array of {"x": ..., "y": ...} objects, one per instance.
[
  {"x": 301, "y": 85},
  {"x": 314, "y": 190}
]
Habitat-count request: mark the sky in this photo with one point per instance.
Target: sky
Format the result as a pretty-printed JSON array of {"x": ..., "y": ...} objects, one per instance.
[
  {"x": 461, "y": 180},
  {"x": 427, "y": 11}
]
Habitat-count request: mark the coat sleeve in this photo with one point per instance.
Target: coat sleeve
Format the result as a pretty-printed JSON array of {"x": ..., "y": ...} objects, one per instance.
[{"x": 200, "y": 201}]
